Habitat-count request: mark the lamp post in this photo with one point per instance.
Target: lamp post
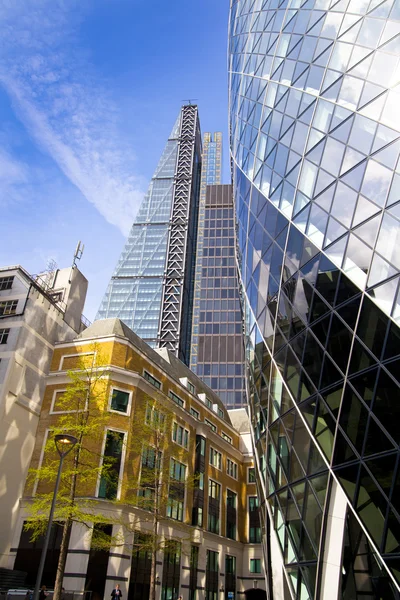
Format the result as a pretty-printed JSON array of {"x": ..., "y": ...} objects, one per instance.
[{"x": 64, "y": 444}]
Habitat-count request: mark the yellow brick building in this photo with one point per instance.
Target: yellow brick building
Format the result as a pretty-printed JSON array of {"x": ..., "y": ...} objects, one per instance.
[{"x": 211, "y": 504}]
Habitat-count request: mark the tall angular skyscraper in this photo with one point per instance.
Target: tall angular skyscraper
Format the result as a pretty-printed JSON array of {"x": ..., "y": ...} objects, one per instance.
[
  {"x": 315, "y": 139},
  {"x": 151, "y": 289}
]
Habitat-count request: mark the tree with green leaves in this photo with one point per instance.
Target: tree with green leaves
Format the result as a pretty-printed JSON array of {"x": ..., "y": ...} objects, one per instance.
[
  {"x": 163, "y": 477},
  {"x": 82, "y": 412}
]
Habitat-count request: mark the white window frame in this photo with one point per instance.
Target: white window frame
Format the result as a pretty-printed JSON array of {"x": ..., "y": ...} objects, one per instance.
[
  {"x": 212, "y": 453},
  {"x": 155, "y": 379},
  {"x": 118, "y": 412},
  {"x": 94, "y": 354},
  {"x": 184, "y": 430},
  {"x": 184, "y": 487},
  {"x": 226, "y": 437},
  {"x": 53, "y": 401},
  {"x": 229, "y": 462},
  {"x": 121, "y": 469}
]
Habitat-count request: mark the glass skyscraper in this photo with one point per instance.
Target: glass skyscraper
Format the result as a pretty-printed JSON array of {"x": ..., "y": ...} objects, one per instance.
[
  {"x": 315, "y": 139},
  {"x": 151, "y": 289},
  {"x": 217, "y": 350}
]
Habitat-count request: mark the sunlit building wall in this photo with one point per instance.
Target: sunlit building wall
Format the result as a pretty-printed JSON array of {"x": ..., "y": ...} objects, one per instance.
[{"x": 315, "y": 138}]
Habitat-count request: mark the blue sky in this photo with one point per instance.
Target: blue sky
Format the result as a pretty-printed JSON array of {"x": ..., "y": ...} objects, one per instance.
[{"x": 89, "y": 92}]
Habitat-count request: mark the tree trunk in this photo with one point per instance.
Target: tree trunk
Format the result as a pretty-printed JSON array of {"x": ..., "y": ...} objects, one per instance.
[
  {"x": 67, "y": 528},
  {"x": 62, "y": 560}
]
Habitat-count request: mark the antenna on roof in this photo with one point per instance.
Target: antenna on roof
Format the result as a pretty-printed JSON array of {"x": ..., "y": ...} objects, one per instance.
[
  {"x": 78, "y": 253},
  {"x": 190, "y": 100}
]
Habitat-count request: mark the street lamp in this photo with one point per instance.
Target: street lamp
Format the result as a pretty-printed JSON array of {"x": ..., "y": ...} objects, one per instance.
[{"x": 64, "y": 444}]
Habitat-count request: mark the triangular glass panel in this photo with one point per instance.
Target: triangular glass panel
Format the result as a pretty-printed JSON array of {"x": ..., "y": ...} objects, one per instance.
[
  {"x": 323, "y": 181},
  {"x": 358, "y": 55},
  {"x": 333, "y": 232},
  {"x": 286, "y": 123},
  {"x": 381, "y": 11},
  {"x": 316, "y": 154},
  {"x": 313, "y": 138},
  {"x": 301, "y": 81},
  {"x": 394, "y": 210},
  {"x": 370, "y": 92},
  {"x": 325, "y": 199},
  {"x": 336, "y": 252},
  {"x": 384, "y": 136},
  {"x": 322, "y": 46},
  {"x": 373, "y": 110},
  {"x": 380, "y": 270},
  {"x": 331, "y": 93},
  {"x": 300, "y": 68},
  {"x": 293, "y": 160},
  {"x": 354, "y": 177},
  {"x": 323, "y": 59},
  {"x": 255, "y": 24},
  {"x": 316, "y": 15},
  {"x": 259, "y": 69},
  {"x": 276, "y": 180},
  {"x": 351, "y": 159},
  {"x": 301, "y": 219},
  {"x": 392, "y": 46},
  {"x": 293, "y": 175},
  {"x": 388, "y": 156},
  {"x": 368, "y": 231},
  {"x": 391, "y": 30},
  {"x": 395, "y": 12},
  {"x": 351, "y": 35},
  {"x": 306, "y": 101},
  {"x": 316, "y": 29},
  {"x": 394, "y": 194},
  {"x": 342, "y": 132},
  {"x": 348, "y": 21},
  {"x": 287, "y": 138},
  {"x": 365, "y": 209},
  {"x": 307, "y": 115},
  {"x": 330, "y": 78},
  {"x": 340, "y": 6}
]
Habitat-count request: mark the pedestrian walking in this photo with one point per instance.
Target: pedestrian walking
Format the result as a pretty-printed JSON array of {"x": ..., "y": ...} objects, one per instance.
[{"x": 116, "y": 594}]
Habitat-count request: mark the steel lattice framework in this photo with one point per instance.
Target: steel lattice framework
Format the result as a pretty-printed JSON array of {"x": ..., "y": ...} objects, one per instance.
[{"x": 181, "y": 216}]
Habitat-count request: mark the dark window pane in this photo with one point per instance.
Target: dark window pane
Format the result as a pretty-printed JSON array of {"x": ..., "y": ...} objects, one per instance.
[
  {"x": 333, "y": 398},
  {"x": 327, "y": 279},
  {"x": 353, "y": 418},
  {"x": 325, "y": 426},
  {"x": 365, "y": 384},
  {"x": 382, "y": 468},
  {"x": 330, "y": 374},
  {"x": 346, "y": 290},
  {"x": 312, "y": 517},
  {"x": 320, "y": 329},
  {"x": 294, "y": 248},
  {"x": 386, "y": 405},
  {"x": 376, "y": 441},
  {"x": 360, "y": 358},
  {"x": 392, "y": 347},
  {"x": 301, "y": 441},
  {"x": 372, "y": 326},
  {"x": 348, "y": 478},
  {"x": 393, "y": 534},
  {"x": 339, "y": 342},
  {"x": 319, "y": 308},
  {"x": 312, "y": 360},
  {"x": 343, "y": 451},
  {"x": 349, "y": 312},
  {"x": 371, "y": 506}
]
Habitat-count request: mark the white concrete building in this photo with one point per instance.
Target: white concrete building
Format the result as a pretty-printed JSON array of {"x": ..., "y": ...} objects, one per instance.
[{"x": 35, "y": 312}]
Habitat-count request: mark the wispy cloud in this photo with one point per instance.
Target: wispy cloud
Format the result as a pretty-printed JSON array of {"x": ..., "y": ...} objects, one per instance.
[{"x": 58, "y": 96}]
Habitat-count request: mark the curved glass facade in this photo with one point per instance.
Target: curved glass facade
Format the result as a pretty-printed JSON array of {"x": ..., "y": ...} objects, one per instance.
[{"x": 315, "y": 140}]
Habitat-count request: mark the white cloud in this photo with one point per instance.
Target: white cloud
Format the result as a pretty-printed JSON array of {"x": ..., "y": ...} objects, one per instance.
[{"x": 65, "y": 106}]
